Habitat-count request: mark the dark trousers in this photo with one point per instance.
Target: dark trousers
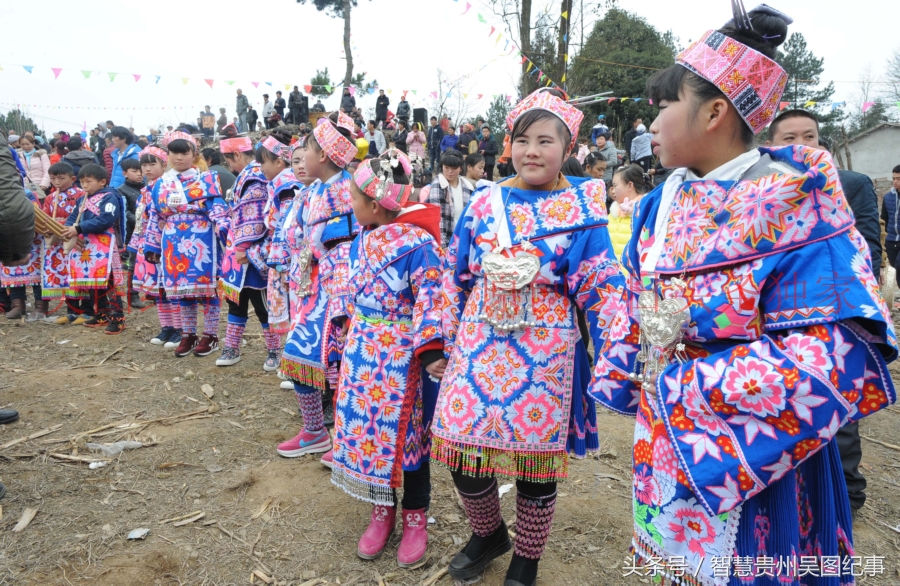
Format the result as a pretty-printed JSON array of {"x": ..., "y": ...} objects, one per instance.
[
  {"x": 850, "y": 448},
  {"x": 892, "y": 249},
  {"x": 242, "y": 307},
  {"x": 4, "y": 299},
  {"x": 108, "y": 301},
  {"x": 79, "y": 306},
  {"x": 435, "y": 159},
  {"x": 19, "y": 292},
  {"x": 489, "y": 172},
  {"x": 416, "y": 488}
]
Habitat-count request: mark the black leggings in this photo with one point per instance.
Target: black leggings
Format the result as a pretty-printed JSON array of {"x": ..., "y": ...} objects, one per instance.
[
  {"x": 248, "y": 296},
  {"x": 489, "y": 172},
  {"x": 478, "y": 484},
  {"x": 416, "y": 488},
  {"x": 20, "y": 293}
]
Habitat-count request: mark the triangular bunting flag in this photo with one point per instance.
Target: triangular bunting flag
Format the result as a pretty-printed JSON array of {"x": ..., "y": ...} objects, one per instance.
[
  {"x": 465, "y": 96},
  {"x": 623, "y": 99},
  {"x": 498, "y": 40},
  {"x": 565, "y": 14},
  {"x": 638, "y": 99},
  {"x": 389, "y": 92},
  {"x": 415, "y": 92},
  {"x": 371, "y": 90},
  {"x": 434, "y": 95},
  {"x": 611, "y": 100},
  {"x": 481, "y": 19},
  {"x": 530, "y": 65},
  {"x": 137, "y": 76},
  {"x": 56, "y": 72},
  {"x": 563, "y": 78},
  {"x": 468, "y": 6},
  {"x": 650, "y": 101},
  {"x": 269, "y": 83},
  {"x": 352, "y": 91},
  {"x": 783, "y": 105},
  {"x": 327, "y": 88},
  {"x": 28, "y": 68},
  {"x": 209, "y": 81},
  {"x": 256, "y": 84},
  {"x": 230, "y": 82},
  {"x": 524, "y": 59},
  {"x": 808, "y": 104},
  {"x": 287, "y": 87},
  {"x": 112, "y": 75},
  {"x": 867, "y": 106},
  {"x": 307, "y": 89},
  {"x": 85, "y": 73},
  {"x": 491, "y": 34},
  {"x": 479, "y": 96},
  {"x": 184, "y": 80}
]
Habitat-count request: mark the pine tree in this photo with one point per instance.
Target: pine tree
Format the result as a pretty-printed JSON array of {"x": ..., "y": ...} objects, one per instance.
[
  {"x": 804, "y": 71},
  {"x": 496, "y": 118},
  {"x": 18, "y": 122}
]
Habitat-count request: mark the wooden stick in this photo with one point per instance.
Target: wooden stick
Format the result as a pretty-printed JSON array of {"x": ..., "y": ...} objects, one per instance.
[
  {"x": 435, "y": 577},
  {"x": 189, "y": 520},
  {"x": 82, "y": 459},
  {"x": 114, "y": 352},
  {"x": 880, "y": 443},
  {"x": 36, "y": 434},
  {"x": 188, "y": 516}
]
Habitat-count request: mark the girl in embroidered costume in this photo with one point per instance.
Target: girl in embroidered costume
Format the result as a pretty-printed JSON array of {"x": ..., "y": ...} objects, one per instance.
[
  {"x": 146, "y": 276},
  {"x": 319, "y": 228},
  {"x": 525, "y": 253},
  {"x": 283, "y": 190},
  {"x": 181, "y": 238},
  {"x": 19, "y": 278},
  {"x": 98, "y": 224},
  {"x": 54, "y": 258},
  {"x": 240, "y": 221},
  {"x": 393, "y": 356},
  {"x": 751, "y": 329}
]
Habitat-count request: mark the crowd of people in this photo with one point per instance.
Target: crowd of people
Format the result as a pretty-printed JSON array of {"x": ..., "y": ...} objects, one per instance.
[{"x": 474, "y": 317}]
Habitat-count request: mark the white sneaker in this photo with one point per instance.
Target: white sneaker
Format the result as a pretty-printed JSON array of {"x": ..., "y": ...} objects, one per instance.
[{"x": 287, "y": 385}]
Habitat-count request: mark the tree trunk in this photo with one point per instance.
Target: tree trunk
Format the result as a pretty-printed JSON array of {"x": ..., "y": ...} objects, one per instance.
[
  {"x": 847, "y": 149},
  {"x": 525, "y": 45},
  {"x": 563, "y": 48},
  {"x": 348, "y": 74}
]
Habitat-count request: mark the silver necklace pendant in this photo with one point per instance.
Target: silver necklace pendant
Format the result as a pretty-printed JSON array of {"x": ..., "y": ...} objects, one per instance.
[
  {"x": 663, "y": 323},
  {"x": 303, "y": 258}
]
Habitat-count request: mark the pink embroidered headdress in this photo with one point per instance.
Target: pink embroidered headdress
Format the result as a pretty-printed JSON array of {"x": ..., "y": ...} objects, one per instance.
[
  {"x": 542, "y": 99},
  {"x": 374, "y": 177},
  {"x": 337, "y": 147},
  {"x": 750, "y": 80},
  {"x": 178, "y": 135},
  {"x": 157, "y": 152},
  {"x": 240, "y": 144},
  {"x": 277, "y": 148}
]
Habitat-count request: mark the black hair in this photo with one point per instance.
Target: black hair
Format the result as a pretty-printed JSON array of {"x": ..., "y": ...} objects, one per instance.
[
  {"x": 404, "y": 123},
  {"x": 180, "y": 146},
  {"x": 452, "y": 158},
  {"x": 603, "y": 135},
  {"x": 61, "y": 147},
  {"x": 896, "y": 169},
  {"x": 109, "y": 122},
  {"x": 769, "y": 31},
  {"x": 213, "y": 156},
  {"x": 53, "y": 142},
  {"x": 61, "y": 169},
  {"x": 372, "y": 122},
  {"x": 824, "y": 143},
  {"x": 473, "y": 159},
  {"x": 529, "y": 118},
  {"x": 795, "y": 113},
  {"x": 94, "y": 171},
  {"x": 142, "y": 142},
  {"x": 148, "y": 159},
  {"x": 265, "y": 95},
  {"x": 75, "y": 143},
  {"x": 130, "y": 164},
  {"x": 572, "y": 168},
  {"x": 433, "y": 118},
  {"x": 264, "y": 155},
  {"x": 635, "y": 174},
  {"x": 592, "y": 159},
  {"x": 122, "y": 133}
]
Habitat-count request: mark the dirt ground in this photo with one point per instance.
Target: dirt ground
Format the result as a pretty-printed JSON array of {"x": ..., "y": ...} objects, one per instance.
[{"x": 280, "y": 517}]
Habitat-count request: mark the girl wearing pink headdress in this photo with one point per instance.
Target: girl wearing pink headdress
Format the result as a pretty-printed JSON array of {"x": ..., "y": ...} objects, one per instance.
[
  {"x": 513, "y": 401},
  {"x": 750, "y": 332},
  {"x": 393, "y": 358},
  {"x": 181, "y": 238},
  {"x": 318, "y": 230},
  {"x": 146, "y": 275}
]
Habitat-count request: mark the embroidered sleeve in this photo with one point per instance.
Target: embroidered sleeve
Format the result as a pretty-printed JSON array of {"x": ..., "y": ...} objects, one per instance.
[
  {"x": 456, "y": 283},
  {"x": 248, "y": 221},
  {"x": 153, "y": 230},
  {"x": 742, "y": 418},
  {"x": 426, "y": 279},
  {"x": 335, "y": 267},
  {"x": 594, "y": 280},
  {"x": 279, "y": 249}
]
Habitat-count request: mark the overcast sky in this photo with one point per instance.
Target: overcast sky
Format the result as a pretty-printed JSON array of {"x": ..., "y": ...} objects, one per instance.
[{"x": 402, "y": 43}]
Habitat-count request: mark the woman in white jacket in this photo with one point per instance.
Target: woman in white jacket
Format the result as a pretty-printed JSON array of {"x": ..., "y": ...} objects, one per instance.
[{"x": 641, "y": 151}]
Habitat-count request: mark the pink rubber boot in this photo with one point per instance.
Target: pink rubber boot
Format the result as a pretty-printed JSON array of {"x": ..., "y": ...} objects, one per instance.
[
  {"x": 372, "y": 542},
  {"x": 414, "y": 543}
]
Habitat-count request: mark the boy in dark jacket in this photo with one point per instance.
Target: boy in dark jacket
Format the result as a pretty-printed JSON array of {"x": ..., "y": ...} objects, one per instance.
[
  {"x": 94, "y": 265},
  {"x": 131, "y": 195}
]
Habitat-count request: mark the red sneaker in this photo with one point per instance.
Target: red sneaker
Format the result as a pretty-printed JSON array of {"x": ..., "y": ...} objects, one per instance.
[
  {"x": 207, "y": 345},
  {"x": 306, "y": 442},
  {"x": 188, "y": 343}
]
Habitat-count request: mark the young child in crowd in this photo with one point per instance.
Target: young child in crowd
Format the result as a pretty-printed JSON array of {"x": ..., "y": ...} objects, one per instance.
[
  {"x": 55, "y": 260},
  {"x": 475, "y": 167},
  {"x": 153, "y": 162},
  {"x": 386, "y": 395},
  {"x": 98, "y": 224},
  {"x": 131, "y": 194}
]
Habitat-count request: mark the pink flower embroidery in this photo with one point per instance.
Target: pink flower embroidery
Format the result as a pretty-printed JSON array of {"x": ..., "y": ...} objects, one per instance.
[
  {"x": 754, "y": 386},
  {"x": 560, "y": 211},
  {"x": 523, "y": 219},
  {"x": 535, "y": 416},
  {"x": 646, "y": 489},
  {"x": 460, "y": 408},
  {"x": 685, "y": 521},
  {"x": 809, "y": 351}
]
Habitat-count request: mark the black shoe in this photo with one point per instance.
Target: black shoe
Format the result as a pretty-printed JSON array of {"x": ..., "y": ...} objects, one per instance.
[
  {"x": 478, "y": 553},
  {"x": 115, "y": 326},
  {"x": 137, "y": 302},
  {"x": 8, "y": 416},
  {"x": 522, "y": 572},
  {"x": 328, "y": 414}
]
